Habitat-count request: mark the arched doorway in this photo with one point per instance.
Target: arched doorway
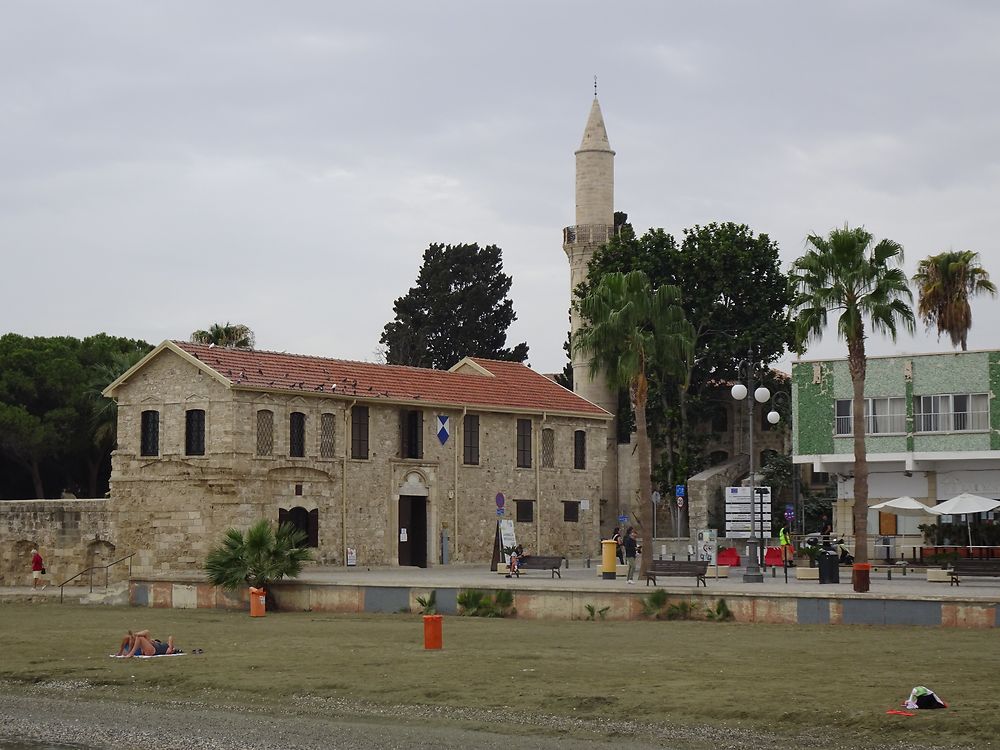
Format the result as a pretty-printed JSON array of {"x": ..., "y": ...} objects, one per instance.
[{"x": 304, "y": 520}]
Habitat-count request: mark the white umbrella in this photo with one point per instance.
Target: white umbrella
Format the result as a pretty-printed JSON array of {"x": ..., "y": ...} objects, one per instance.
[
  {"x": 963, "y": 505},
  {"x": 903, "y": 506}
]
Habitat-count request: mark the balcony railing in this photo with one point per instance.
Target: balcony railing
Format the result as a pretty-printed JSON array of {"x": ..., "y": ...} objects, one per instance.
[
  {"x": 588, "y": 233},
  {"x": 895, "y": 424},
  {"x": 952, "y": 421}
]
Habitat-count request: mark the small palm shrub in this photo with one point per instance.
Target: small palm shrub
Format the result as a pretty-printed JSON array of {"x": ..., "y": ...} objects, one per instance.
[
  {"x": 682, "y": 610},
  {"x": 260, "y": 557},
  {"x": 719, "y": 613},
  {"x": 593, "y": 612},
  {"x": 476, "y": 603},
  {"x": 652, "y": 605},
  {"x": 428, "y": 604}
]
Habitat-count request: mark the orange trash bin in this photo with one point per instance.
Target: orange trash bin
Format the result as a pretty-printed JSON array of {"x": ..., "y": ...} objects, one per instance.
[
  {"x": 432, "y": 631},
  {"x": 862, "y": 576},
  {"x": 257, "y": 606}
]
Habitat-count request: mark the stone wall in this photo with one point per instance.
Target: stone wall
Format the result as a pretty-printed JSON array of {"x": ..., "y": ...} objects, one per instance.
[{"x": 70, "y": 535}]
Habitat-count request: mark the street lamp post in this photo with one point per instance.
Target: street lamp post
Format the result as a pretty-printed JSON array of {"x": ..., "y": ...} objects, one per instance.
[{"x": 753, "y": 573}]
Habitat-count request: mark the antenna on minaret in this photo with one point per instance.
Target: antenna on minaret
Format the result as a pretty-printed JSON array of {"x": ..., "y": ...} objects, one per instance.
[{"x": 595, "y": 86}]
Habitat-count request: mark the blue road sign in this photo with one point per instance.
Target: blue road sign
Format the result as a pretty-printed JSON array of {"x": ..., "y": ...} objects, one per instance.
[{"x": 680, "y": 490}]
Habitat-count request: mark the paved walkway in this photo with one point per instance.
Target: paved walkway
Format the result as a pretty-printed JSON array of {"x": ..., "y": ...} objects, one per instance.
[{"x": 578, "y": 577}]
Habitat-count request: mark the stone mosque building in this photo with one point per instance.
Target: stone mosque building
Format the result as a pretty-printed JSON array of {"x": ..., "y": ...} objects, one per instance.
[{"x": 378, "y": 464}]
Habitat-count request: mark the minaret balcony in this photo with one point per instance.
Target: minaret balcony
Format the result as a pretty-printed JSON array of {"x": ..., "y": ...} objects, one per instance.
[{"x": 587, "y": 234}]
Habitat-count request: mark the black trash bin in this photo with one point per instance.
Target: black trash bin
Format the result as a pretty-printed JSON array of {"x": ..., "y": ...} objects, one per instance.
[{"x": 829, "y": 567}]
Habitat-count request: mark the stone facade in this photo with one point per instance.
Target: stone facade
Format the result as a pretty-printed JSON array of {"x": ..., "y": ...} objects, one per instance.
[{"x": 172, "y": 507}]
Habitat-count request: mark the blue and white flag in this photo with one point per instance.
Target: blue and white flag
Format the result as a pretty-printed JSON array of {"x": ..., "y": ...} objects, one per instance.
[{"x": 442, "y": 429}]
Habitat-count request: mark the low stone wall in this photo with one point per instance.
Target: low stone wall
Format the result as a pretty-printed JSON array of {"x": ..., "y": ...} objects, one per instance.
[
  {"x": 71, "y": 535},
  {"x": 554, "y": 604},
  {"x": 706, "y": 504}
]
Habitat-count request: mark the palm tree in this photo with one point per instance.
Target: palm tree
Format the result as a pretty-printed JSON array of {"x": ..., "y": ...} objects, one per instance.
[
  {"x": 844, "y": 273},
  {"x": 629, "y": 330},
  {"x": 232, "y": 335},
  {"x": 259, "y": 558},
  {"x": 944, "y": 284}
]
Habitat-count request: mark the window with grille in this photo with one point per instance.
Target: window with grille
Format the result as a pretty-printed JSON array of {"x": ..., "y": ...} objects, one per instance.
[
  {"x": 470, "y": 436},
  {"x": 524, "y": 511},
  {"x": 579, "y": 449},
  {"x": 952, "y": 412},
  {"x": 297, "y": 434},
  {"x": 326, "y": 425},
  {"x": 524, "y": 443},
  {"x": 571, "y": 511},
  {"x": 150, "y": 439},
  {"x": 548, "y": 448},
  {"x": 265, "y": 432},
  {"x": 883, "y": 416},
  {"x": 411, "y": 433},
  {"x": 359, "y": 432},
  {"x": 194, "y": 432}
]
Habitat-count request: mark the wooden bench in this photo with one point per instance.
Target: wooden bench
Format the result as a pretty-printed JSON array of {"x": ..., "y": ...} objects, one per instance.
[
  {"x": 678, "y": 569},
  {"x": 964, "y": 567},
  {"x": 540, "y": 562}
]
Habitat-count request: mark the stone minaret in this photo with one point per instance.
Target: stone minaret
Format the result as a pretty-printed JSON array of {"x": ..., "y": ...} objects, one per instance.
[{"x": 595, "y": 225}]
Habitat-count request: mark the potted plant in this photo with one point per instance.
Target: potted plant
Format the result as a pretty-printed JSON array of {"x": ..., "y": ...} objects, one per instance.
[{"x": 259, "y": 558}]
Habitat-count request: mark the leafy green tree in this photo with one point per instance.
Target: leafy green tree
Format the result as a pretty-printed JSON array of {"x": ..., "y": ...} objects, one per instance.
[
  {"x": 848, "y": 273},
  {"x": 733, "y": 292},
  {"x": 630, "y": 330},
  {"x": 258, "y": 558},
  {"x": 232, "y": 335},
  {"x": 458, "y": 308},
  {"x": 945, "y": 282}
]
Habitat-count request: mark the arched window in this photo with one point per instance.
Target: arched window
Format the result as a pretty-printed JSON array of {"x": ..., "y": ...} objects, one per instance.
[
  {"x": 150, "y": 441},
  {"x": 326, "y": 425},
  {"x": 194, "y": 432},
  {"x": 265, "y": 432},
  {"x": 580, "y": 449},
  {"x": 717, "y": 457},
  {"x": 548, "y": 448},
  {"x": 297, "y": 434}
]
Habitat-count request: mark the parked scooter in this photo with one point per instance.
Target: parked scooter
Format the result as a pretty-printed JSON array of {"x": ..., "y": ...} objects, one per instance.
[{"x": 831, "y": 545}]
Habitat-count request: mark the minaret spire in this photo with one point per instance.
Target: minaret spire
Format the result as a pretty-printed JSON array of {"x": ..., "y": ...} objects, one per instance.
[{"x": 595, "y": 220}]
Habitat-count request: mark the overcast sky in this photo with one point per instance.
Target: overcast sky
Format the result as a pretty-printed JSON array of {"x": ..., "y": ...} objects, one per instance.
[{"x": 167, "y": 165}]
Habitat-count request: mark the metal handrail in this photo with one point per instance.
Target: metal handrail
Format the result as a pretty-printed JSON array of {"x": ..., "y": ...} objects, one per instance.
[{"x": 91, "y": 571}]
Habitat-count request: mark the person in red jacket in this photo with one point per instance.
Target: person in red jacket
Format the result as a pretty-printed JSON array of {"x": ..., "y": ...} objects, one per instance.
[{"x": 37, "y": 570}]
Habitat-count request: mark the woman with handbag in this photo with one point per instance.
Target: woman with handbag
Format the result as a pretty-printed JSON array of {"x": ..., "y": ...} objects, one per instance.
[{"x": 37, "y": 570}]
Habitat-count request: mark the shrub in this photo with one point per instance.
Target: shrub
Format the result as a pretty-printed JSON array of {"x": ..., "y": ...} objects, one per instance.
[{"x": 476, "y": 603}]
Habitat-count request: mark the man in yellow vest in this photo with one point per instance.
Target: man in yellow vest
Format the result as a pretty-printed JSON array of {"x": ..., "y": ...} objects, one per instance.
[{"x": 787, "y": 548}]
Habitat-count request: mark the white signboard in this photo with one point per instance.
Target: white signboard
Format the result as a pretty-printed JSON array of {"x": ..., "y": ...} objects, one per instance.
[
  {"x": 744, "y": 508},
  {"x": 507, "y": 538}
]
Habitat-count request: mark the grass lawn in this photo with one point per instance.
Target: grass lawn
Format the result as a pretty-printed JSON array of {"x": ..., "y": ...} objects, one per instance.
[{"x": 790, "y": 680}]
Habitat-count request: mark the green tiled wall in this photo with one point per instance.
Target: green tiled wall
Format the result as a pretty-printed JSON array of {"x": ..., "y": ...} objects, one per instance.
[
  {"x": 951, "y": 372},
  {"x": 813, "y": 423}
]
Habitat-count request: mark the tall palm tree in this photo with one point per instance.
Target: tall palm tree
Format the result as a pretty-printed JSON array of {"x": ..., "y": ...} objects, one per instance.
[
  {"x": 259, "y": 558},
  {"x": 944, "y": 284},
  {"x": 629, "y": 331},
  {"x": 233, "y": 335},
  {"x": 844, "y": 273}
]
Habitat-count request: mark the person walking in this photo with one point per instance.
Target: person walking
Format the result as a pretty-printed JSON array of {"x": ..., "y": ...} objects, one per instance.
[
  {"x": 630, "y": 542},
  {"x": 37, "y": 570}
]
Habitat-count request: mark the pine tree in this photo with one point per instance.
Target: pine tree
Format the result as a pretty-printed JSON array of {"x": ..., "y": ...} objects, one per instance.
[{"x": 458, "y": 308}]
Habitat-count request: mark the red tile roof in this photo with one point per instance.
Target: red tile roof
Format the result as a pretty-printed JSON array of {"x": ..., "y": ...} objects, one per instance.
[{"x": 514, "y": 386}]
